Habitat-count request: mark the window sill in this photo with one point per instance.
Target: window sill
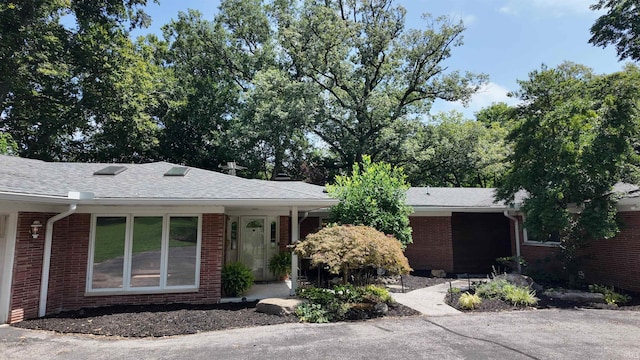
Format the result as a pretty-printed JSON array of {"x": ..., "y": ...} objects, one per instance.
[
  {"x": 139, "y": 292},
  {"x": 542, "y": 244}
]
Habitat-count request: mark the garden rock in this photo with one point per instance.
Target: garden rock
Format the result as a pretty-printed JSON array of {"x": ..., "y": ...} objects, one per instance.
[
  {"x": 520, "y": 280},
  {"x": 439, "y": 273},
  {"x": 381, "y": 308},
  {"x": 575, "y": 296},
  {"x": 278, "y": 306}
]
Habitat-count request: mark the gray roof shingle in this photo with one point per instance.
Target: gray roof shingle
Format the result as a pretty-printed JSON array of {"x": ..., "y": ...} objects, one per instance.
[
  {"x": 452, "y": 197},
  {"x": 141, "y": 181}
]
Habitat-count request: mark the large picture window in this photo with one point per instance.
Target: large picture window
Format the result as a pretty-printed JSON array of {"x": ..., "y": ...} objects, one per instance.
[{"x": 144, "y": 253}]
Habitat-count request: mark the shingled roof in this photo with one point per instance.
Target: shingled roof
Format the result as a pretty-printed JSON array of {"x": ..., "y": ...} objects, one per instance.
[{"x": 147, "y": 182}]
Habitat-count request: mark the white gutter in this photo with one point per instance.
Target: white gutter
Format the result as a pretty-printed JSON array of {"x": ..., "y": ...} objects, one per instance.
[
  {"x": 517, "y": 230},
  {"x": 48, "y": 239},
  {"x": 319, "y": 203}
]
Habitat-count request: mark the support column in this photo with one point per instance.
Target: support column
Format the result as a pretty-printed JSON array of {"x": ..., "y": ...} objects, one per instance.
[{"x": 295, "y": 236}]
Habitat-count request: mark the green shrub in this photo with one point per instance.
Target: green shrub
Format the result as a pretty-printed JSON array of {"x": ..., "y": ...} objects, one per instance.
[
  {"x": 236, "y": 279},
  {"x": 312, "y": 313},
  {"x": 316, "y": 295},
  {"x": 280, "y": 264},
  {"x": 520, "y": 295},
  {"x": 376, "y": 294},
  {"x": 469, "y": 301},
  {"x": 342, "y": 302},
  {"x": 493, "y": 289},
  {"x": 454, "y": 290},
  {"x": 610, "y": 295},
  {"x": 504, "y": 290}
]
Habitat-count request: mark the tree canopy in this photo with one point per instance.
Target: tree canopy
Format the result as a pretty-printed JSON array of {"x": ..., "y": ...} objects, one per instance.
[
  {"x": 348, "y": 249},
  {"x": 573, "y": 142},
  {"x": 374, "y": 195},
  {"x": 370, "y": 71},
  {"x": 620, "y": 26}
]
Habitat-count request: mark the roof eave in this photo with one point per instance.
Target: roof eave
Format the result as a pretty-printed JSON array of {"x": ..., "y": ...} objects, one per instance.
[{"x": 60, "y": 200}]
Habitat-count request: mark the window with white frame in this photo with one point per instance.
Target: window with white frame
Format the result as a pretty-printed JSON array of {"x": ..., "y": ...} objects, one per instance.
[
  {"x": 552, "y": 240},
  {"x": 144, "y": 253}
]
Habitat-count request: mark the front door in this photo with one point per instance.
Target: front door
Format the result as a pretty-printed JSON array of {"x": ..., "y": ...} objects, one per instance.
[{"x": 253, "y": 247}]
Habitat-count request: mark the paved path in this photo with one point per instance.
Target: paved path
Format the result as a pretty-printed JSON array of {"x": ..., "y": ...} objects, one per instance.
[
  {"x": 430, "y": 300},
  {"x": 535, "y": 334}
]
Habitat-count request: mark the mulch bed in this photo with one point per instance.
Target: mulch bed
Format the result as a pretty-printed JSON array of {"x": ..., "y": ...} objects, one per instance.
[
  {"x": 543, "y": 303},
  {"x": 166, "y": 320},
  {"x": 181, "y": 319}
]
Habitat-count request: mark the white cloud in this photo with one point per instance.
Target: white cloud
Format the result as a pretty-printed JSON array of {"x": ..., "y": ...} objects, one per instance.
[
  {"x": 487, "y": 95},
  {"x": 552, "y": 7}
]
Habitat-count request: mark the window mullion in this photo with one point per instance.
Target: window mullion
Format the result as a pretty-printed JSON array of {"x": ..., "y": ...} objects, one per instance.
[
  {"x": 128, "y": 249},
  {"x": 164, "y": 251}
]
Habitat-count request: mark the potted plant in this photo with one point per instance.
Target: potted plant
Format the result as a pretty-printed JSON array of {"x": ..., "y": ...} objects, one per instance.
[
  {"x": 280, "y": 265},
  {"x": 237, "y": 278}
]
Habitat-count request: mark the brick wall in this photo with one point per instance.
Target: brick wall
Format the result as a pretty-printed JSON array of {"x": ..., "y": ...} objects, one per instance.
[
  {"x": 308, "y": 226},
  {"x": 285, "y": 232},
  {"x": 538, "y": 257},
  {"x": 27, "y": 268},
  {"x": 432, "y": 246},
  {"x": 69, "y": 258},
  {"x": 616, "y": 261}
]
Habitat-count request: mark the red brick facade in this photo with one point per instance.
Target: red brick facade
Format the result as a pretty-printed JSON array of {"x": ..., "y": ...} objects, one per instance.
[
  {"x": 308, "y": 226},
  {"x": 432, "y": 246},
  {"x": 285, "y": 232},
  {"x": 27, "y": 268},
  {"x": 616, "y": 261},
  {"x": 69, "y": 258}
]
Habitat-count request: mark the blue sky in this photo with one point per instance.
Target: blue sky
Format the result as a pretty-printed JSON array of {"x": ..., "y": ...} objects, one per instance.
[{"x": 505, "y": 39}]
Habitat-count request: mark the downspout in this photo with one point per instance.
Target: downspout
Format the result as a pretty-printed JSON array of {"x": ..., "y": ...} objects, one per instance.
[
  {"x": 46, "y": 260},
  {"x": 517, "y": 230},
  {"x": 306, "y": 215}
]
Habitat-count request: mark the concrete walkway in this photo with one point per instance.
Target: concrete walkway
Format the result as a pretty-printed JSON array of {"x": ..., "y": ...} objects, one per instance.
[
  {"x": 430, "y": 300},
  {"x": 277, "y": 289}
]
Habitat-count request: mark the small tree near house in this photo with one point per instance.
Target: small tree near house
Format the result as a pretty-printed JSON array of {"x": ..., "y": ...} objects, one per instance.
[
  {"x": 374, "y": 195},
  {"x": 352, "y": 250}
]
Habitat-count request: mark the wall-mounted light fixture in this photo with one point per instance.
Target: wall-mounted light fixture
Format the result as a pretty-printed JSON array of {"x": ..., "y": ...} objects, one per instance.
[{"x": 35, "y": 229}]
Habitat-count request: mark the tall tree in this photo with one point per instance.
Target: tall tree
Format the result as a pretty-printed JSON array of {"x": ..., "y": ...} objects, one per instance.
[
  {"x": 620, "y": 27},
  {"x": 370, "y": 70},
  {"x": 204, "y": 96},
  {"x": 58, "y": 83},
  {"x": 574, "y": 141},
  {"x": 454, "y": 151},
  {"x": 271, "y": 132}
]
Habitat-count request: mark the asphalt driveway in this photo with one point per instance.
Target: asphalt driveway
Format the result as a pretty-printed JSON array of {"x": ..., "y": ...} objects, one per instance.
[{"x": 541, "y": 334}]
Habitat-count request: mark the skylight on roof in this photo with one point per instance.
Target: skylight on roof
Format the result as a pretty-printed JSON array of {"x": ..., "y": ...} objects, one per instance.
[
  {"x": 177, "y": 171},
  {"x": 111, "y": 170}
]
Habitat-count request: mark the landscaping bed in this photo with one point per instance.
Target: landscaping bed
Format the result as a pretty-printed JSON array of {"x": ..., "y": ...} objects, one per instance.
[{"x": 166, "y": 320}]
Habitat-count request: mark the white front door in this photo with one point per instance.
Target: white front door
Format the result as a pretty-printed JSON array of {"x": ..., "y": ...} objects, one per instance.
[{"x": 253, "y": 246}]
